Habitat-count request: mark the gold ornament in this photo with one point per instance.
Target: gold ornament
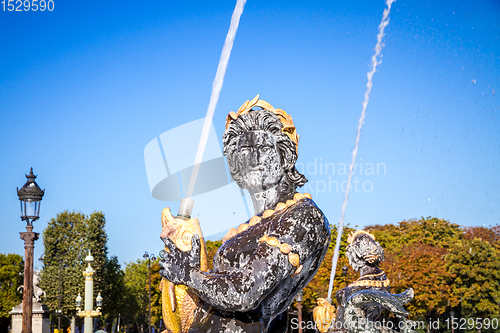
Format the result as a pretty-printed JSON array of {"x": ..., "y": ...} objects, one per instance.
[
  {"x": 243, "y": 227},
  {"x": 254, "y": 220},
  {"x": 272, "y": 241},
  {"x": 371, "y": 283},
  {"x": 293, "y": 259},
  {"x": 298, "y": 196},
  {"x": 280, "y": 206},
  {"x": 297, "y": 271},
  {"x": 353, "y": 235},
  {"x": 267, "y": 213},
  {"x": 285, "y": 248},
  {"x": 324, "y": 315},
  {"x": 230, "y": 234}
]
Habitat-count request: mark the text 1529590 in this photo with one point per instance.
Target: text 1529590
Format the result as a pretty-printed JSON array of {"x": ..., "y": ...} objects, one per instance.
[{"x": 27, "y": 5}]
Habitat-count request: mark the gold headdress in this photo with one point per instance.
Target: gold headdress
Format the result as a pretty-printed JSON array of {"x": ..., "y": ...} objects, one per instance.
[
  {"x": 353, "y": 235},
  {"x": 287, "y": 121}
]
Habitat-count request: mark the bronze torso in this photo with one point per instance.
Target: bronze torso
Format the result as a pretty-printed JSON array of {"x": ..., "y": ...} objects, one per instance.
[{"x": 304, "y": 227}]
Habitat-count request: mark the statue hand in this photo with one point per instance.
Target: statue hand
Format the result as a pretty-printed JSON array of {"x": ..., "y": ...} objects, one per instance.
[{"x": 176, "y": 264}]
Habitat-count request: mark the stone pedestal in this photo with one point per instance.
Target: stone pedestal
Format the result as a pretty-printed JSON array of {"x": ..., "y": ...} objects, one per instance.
[{"x": 41, "y": 318}]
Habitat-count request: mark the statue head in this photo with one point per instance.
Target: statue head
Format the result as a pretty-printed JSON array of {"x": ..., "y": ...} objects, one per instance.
[
  {"x": 363, "y": 250},
  {"x": 260, "y": 143}
]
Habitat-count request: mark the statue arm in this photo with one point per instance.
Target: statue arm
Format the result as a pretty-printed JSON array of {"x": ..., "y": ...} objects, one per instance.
[
  {"x": 243, "y": 291},
  {"x": 302, "y": 229}
]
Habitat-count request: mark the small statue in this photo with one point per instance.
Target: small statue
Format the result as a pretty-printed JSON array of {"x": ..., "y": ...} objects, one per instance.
[
  {"x": 264, "y": 262},
  {"x": 361, "y": 303}
]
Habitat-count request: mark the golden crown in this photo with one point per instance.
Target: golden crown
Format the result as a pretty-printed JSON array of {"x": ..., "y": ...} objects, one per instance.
[
  {"x": 353, "y": 235},
  {"x": 287, "y": 121}
]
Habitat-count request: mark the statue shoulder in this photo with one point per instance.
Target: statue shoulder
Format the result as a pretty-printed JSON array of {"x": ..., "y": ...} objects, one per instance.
[
  {"x": 303, "y": 221},
  {"x": 307, "y": 214}
]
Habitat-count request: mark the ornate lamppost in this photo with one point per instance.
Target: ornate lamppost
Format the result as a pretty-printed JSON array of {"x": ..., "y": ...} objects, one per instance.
[
  {"x": 88, "y": 312},
  {"x": 30, "y": 196},
  {"x": 149, "y": 257},
  {"x": 299, "y": 298}
]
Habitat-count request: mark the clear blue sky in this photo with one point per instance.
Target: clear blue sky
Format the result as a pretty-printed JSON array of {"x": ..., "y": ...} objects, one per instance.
[{"x": 85, "y": 87}]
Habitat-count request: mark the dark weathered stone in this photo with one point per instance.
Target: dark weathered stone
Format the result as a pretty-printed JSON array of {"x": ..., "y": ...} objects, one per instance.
[{"x": 258, "y": 272}]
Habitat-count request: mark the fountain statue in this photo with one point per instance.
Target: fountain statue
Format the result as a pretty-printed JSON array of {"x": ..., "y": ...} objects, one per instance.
[
  {"x": 267, "y": 260},
  {"x": 361, "y": 303}
]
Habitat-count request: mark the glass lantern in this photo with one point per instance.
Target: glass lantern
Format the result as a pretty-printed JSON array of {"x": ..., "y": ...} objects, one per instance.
[
  {"x": 99, "y": 300},
  {"x": 30, "y": 197}
]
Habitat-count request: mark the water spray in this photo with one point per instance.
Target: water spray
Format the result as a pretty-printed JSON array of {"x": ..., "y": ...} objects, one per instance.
[
  {"x": 186, "y": 206},
  {"x": 216, "y": 88},
  {"x": 375, "y": 61}
]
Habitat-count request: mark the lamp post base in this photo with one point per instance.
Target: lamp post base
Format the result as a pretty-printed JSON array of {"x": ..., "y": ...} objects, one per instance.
[{"x": 29, "y": 238}]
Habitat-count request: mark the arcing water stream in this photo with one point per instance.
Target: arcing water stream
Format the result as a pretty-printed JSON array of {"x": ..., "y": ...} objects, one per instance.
[
  {"x": 369, "y": 84},
  {"x": 216, "y": 88}
]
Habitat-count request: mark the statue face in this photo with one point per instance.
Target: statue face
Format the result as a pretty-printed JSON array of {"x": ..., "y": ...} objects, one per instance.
[{"x": 259, "y": 161}]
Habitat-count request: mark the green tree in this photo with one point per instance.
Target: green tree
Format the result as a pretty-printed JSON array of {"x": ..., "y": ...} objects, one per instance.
[
  {"x": 476, "y": 265},
  {"x": 490, "y": 235},
  {"x": 423, "y": 268},
  {"x": 68, "y": 239},
  {"x": 63, "y": 260},
  {"x": 137, "y": 289},
  {"x": 415, "y": 256},
  {"x": 430, "y": 230},
  {"x": 11, "y": 277},
  {"x": 115, "y": 293}
]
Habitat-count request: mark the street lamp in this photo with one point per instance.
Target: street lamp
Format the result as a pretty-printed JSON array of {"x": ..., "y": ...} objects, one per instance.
[
  {"x": 149, "y": 257},
  {"x": 299, "y": 298},
  {"x": 30, "y": 197},
  {"x": 88, "y": 311}
]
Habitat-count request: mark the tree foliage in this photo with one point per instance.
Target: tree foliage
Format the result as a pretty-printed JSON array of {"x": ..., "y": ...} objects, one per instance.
[
  {"x": 63, "y": 260},
  {"x": 476, "y": 265},
  {"x": 423, "y": 268},
  {"x": 136, "y": 310},
  {"x": 430, "y": 230},
  {"x": 451, "y": 269},
  {"x": 11, "y": 278},
  {"x": 67, "y": 241}
]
